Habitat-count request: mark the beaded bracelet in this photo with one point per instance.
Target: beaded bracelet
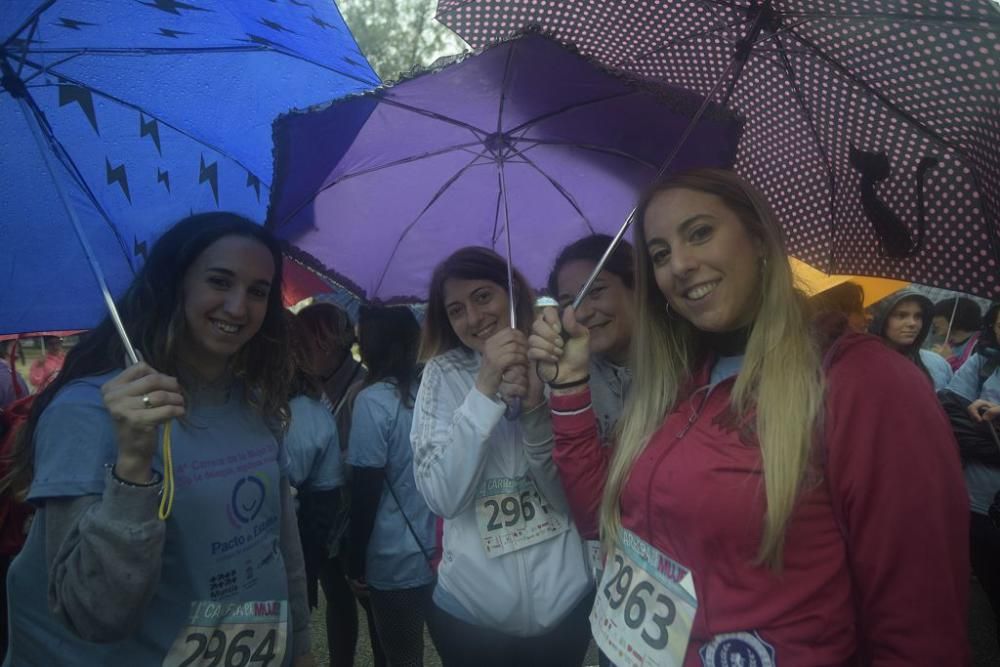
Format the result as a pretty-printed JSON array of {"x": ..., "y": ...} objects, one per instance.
[{"x": 156, "y": 481}]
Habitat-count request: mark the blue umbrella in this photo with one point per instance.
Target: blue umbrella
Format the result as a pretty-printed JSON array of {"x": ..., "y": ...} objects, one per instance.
[{"x": 130, "y": 114}]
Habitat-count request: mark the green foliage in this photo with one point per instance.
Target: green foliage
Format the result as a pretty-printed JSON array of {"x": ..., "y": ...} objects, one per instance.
[{"x": 395, "y": 35}]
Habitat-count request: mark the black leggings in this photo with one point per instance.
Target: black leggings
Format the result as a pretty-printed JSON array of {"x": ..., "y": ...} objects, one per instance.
[
  {"x": 399, "y": 617},
  {"x": 342, "y": 617},
  {"x": 984, "y": 547},
  {"x": 461, "y": 644}
]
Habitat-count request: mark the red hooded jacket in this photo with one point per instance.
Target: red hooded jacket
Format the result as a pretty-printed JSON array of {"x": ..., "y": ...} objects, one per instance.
[{"x": 876, "y": 553}]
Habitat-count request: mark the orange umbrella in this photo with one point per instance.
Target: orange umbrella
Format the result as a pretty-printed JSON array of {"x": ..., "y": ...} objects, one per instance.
[{"x": 812, "y": 281}]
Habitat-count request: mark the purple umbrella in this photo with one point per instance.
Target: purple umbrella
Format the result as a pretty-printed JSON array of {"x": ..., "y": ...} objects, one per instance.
[
  {"x": 525, "y": 143},
  {"x": 873, "y": 127}
]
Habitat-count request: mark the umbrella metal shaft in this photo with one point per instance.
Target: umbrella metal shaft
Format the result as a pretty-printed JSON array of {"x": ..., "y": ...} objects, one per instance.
[
  {"x": 514, "y": 406},
  {"x": 78, "y": 228},
  {"x": 582, "y": 294}
]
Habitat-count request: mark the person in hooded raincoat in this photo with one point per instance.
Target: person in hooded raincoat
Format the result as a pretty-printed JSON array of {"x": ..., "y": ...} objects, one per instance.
[{"x": 903, "y": 321}]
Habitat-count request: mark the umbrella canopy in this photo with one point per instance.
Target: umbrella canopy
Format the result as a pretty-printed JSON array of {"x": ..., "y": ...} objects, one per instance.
[
  {"x": 873, "y": 128},
  {"x": 149, "y": 111},
  {"x": 526, "y": 132},
  {"x": 812, "y": 281}
]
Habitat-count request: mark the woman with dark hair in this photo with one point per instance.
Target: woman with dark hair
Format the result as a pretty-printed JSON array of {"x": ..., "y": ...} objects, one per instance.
[
  {"x": 102, "y": 579},
  {"x": 392, "y": 530},
  {"x": 963, "y": 317},
  {"x": 608, "y": 312},
  {"x": 513, "y": 584},
  {"x": 977, "y": 386},
  {"x": 327, "y": 337},
  {"x": 755, "y": 504},
  {"x": 332, "y": 338},
  {"x": 317, "y": 472},
  {"x": 903, "y": 321}
]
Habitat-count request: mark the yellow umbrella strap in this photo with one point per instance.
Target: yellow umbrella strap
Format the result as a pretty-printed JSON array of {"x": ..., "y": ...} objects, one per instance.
[{"x": 167, "y": 499}]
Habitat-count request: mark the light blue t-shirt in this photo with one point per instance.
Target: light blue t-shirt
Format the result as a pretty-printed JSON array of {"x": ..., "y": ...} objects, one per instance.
[
  {"x": 222, "y": 543},
  {"x": 313, "y": 447},
  {"x": 380, "y": 438},
  {"x": 983, "y": 481},
  {"x": 938, "y": 367}
]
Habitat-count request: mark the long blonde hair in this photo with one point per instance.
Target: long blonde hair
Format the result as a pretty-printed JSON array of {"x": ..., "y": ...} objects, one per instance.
[{"x": 780, "y": 381}]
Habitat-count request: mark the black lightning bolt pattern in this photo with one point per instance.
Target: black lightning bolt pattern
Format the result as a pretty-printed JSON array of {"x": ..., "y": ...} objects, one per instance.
[
  {"x": 253, "y": 182},
  {"x": 257, "y": 39},
  {"x": 275, "y": 26},
  {"x": 69, "y": 94},
  {"x": 139, "y": 248},
  {"x": 118, "y": 175},
  {"x": 173, "y": 34},
  {"x": 173, "y": 6},
  {"x": 210, "y": 173},
  {"x": 72, "y": 24},
  {"x": 152, "y": 128},
  {"x": 163, "y": 177},
  {"x": 321, "y": 23}
]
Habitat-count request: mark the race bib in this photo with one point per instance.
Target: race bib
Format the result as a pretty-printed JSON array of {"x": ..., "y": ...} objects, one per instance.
[
  {"x": 645, "y": 606},
  {"x": 235, "y": 634},
  {"x": 512, "y": 515},
  {"x": 594, "y": 557}
]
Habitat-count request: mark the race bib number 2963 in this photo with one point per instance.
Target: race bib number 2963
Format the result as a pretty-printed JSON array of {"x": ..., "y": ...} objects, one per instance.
[
  {"x": 237, "y": 634},
  {"x": 645, "y": 606}
]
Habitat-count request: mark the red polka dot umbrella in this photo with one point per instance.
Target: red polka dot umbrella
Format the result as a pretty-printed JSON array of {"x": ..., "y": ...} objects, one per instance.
[{"x": 873, "y": 127}]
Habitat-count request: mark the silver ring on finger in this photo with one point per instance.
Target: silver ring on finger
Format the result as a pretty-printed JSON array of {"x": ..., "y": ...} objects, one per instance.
[{"x": 146, "y": 402}]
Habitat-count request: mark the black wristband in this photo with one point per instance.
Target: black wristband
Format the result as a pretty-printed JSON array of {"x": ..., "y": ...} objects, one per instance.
[
  {"x": 569, "y": 385},
  {"x": 156, "y": 481}
]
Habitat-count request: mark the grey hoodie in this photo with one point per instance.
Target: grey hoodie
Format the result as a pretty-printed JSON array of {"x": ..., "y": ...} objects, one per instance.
[{"x": 933, "y": 364}]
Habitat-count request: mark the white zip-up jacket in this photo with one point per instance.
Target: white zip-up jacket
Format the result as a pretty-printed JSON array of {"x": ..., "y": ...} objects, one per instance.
[{"x": 460, "y": 438}]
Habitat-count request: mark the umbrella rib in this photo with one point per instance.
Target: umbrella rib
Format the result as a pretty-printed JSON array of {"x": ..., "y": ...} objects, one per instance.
[
  {"x": 160, "y": 120},
  {"x": 43, "y": 70},
  {"x": 41, "y": 9},
  {"x": 590, "y": 147},
  {"x": 632, "y": 60},
  {"x": 370, "y": 170},
  {"x": 569, "y": 107},
  {"x": 496, "y": 219},
  {"x": 437, "y": 195},
  {"x": 503, "y": 89},
  {"x": 868, "y": 88},
  {"x": 807, "y": 114},
  {"x": 435, "y": 115},
  {"x": 898, "y": 16},
  {"x": 559, "y": 188},
  {"x": 24, "y": 49}
]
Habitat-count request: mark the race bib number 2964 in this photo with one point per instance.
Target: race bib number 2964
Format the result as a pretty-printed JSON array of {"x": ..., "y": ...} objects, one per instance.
[
  {"x": 645, "y": 606},
  {"x": 236, "y": 634}
]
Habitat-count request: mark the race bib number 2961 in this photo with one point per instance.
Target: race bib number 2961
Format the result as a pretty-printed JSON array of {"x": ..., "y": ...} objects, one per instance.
[
  {"x": 512, "y": 515},
  {"x": 645, "y": 606},
  {"x": 236, "y": 634}
]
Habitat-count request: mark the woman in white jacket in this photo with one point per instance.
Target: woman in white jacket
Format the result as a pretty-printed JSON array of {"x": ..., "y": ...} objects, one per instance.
[{"x": 513, "y": 586}]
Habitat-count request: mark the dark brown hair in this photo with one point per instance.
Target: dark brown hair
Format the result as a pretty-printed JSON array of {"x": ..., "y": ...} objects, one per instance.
[
  {"x": 590, "y": 249},
  {"x": 152, "y": 311},
  {"x": 470, "y": 263},
  {"x": 388, "y": 337}
]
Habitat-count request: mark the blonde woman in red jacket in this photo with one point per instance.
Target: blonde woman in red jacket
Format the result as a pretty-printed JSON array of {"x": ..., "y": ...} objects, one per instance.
[{"x": 766, "y": 502}]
